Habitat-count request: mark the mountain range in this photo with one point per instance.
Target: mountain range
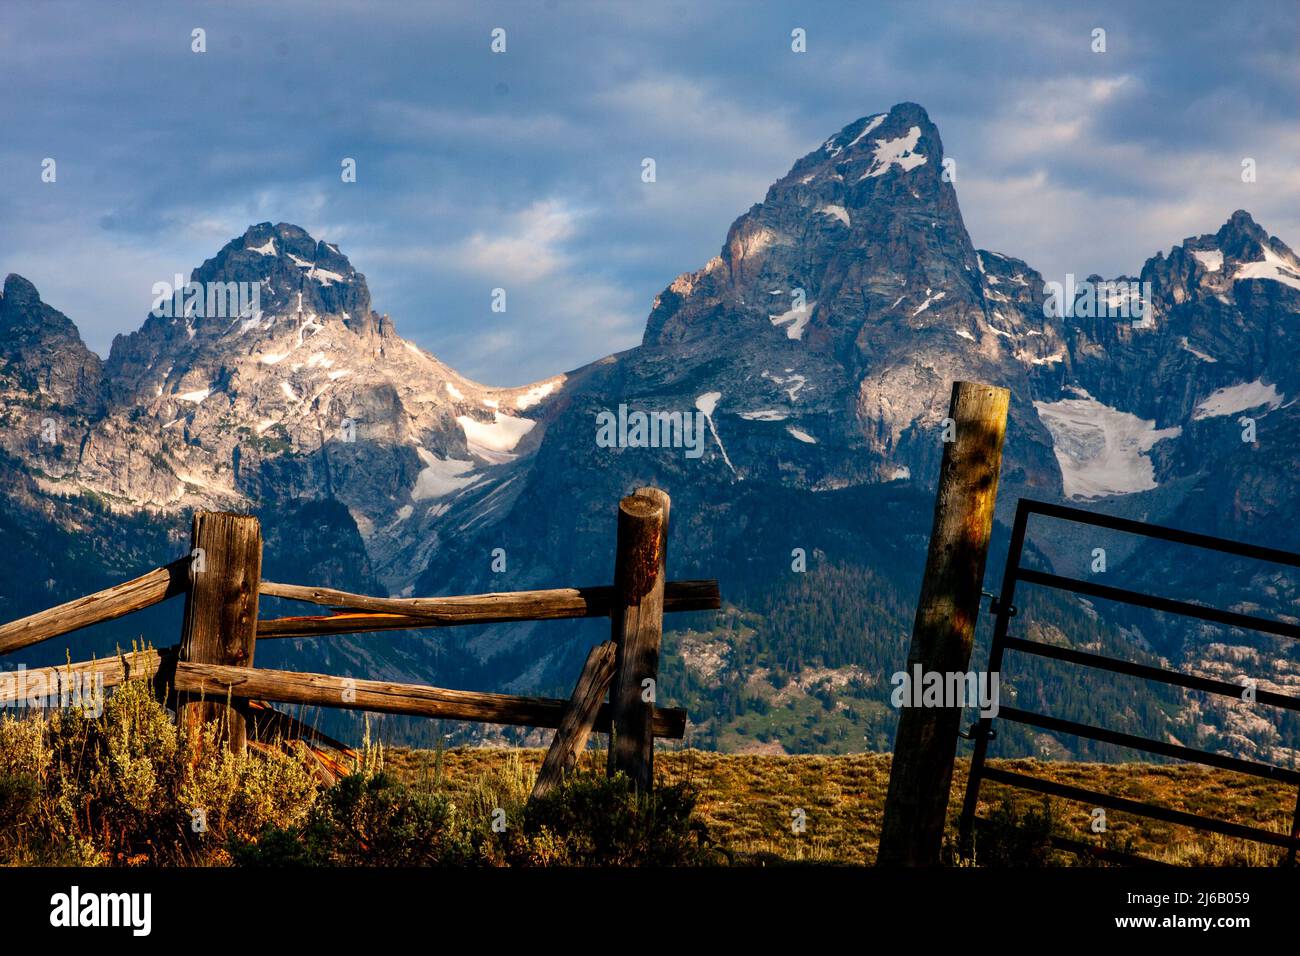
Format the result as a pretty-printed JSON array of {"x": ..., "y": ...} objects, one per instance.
[{"x": 816, "y": 351}]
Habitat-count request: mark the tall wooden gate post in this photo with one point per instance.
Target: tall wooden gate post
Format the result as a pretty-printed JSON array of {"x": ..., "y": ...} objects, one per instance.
[
  {"x": 637, "y": 627},
  {"x": 220, "y": 612},
  {"x": 925, "y": 745}
]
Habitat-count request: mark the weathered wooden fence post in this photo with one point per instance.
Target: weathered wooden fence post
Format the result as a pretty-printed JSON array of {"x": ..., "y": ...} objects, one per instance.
[
  {"x": 575, "y": 726},
  {"x": 637, "y": 626},
  {"x": 925, "y": 745},
  {"x": 220, "y": 612}
]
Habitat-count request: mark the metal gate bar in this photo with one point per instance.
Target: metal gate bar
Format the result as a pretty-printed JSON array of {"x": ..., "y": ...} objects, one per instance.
[
  {"x": 1140, "y": 808},
  {"x": 1004, "y": 609},
  {"x": 1146, "y": 671},
  {"x": 1266, "y": 770},
  {"x": 1168, "y": 605}
]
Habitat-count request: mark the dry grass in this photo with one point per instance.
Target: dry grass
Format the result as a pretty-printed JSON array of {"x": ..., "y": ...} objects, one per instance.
[
  {"x": 121, "y": 789},
  {"x": 747, "y": 800}
]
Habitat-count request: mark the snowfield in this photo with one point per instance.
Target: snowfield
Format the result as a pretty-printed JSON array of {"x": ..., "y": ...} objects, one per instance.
[
  {"x": 708, "y": 403},
  {"x": 1211, "y": 259},
  {"x": 1238, "y": 398},
  {"x": 439, "y": 476},
  {"x": 494, "y": 441},
  {"x": 1273, "y": 267},
  {"x": 1101, "y": 450}
]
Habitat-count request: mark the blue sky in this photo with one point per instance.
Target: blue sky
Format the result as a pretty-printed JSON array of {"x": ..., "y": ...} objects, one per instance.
[{"x": 522, "y": 169}]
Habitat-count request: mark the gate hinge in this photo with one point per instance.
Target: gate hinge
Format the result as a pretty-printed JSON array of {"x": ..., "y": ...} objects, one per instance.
[{"x": 995, "y": 606}]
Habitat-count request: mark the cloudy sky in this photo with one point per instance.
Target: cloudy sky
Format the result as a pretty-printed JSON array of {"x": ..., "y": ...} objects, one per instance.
[{"x": 522, "y": 169}]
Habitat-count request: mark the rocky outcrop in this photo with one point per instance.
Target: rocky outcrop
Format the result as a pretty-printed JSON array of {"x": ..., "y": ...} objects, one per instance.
[{"x": 42, "y": 358}]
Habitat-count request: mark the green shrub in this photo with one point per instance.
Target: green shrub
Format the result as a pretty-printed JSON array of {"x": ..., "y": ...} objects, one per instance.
[
  {"x": 594, "y": 820},
  {"x": 589, "y": 820},
  {"x": 19, "y": 799},
  {"x": 365, "y": 820},
  {"x": 123, "y": 788}
]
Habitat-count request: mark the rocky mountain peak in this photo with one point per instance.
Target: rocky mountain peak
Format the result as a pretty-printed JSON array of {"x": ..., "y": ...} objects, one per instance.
[
  {"x": 19, "y": 292},
  {"x": 869, "y": 148},
  {"x": 263, "y": 377},
  {"x": 1241, "y": 237},
  {"x": 42, "y": 356},
  {"x": 867, "y": 218},
  {"x": 273, "y": 284},
  {"x": 1218, "y": 268},
  {"x": 295, "y": 272}
]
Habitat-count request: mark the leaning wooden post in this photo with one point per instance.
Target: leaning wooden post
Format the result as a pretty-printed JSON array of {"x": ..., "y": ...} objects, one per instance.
[
  {"x": 220, "y": 613},
  {"x": 925, "y": 744},
  {"x": 579, "y": 717},
  {"x": 637, "y": 626}
]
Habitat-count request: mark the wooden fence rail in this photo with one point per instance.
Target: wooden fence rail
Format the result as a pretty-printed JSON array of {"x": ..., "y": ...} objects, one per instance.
[
  {"x": 210, "y": 674},
  {"x": 216, "y": 681},
  {"x": 358, "y": 613},
  {"x": 16, "y": 686},
  {"x": 121, "y": 599}
]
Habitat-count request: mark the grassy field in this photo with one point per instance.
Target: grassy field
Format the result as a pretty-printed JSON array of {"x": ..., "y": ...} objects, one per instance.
[
  {"x": 124, "y": 788},
  {"x": 749, "y": 801}
]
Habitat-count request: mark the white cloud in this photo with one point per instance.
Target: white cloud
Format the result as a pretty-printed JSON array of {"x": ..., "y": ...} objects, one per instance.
[{"x": 531, "y": 245}]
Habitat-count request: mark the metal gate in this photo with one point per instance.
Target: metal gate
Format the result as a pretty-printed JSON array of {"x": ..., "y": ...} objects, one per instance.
[{"x": 1004, "y": 611}]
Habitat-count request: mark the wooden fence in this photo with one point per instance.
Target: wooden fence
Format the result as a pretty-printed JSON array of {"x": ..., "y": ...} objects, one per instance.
[{"x": 212, "y": 676}]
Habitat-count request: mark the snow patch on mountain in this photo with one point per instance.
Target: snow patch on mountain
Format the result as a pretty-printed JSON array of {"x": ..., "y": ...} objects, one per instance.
[
  {"x": 707, "y": 403},
  {"x": 1043, "y": 359},
  {"x": 896, "y": 152},
  {"x": 1272, "y": 267},
  {"x": 1187, "y": 347},
  {"x": 535, "y": 394},
  {"x": 797, "y": 319},
  {"x": 1212, "y": 259},
  {"x": 873, "y": 124},
  {"x": 325, "y": 276},
  {"x": 1238, "y": 398},
  {"x": 929, "y": 298},
  {"x": 792, "y": 384},
  {"x": 835, "y": 211},
  {"x": 1101, "y": 450},
  {"x": 494, "y": 441},
  {"x": 439, "y": 477}
]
